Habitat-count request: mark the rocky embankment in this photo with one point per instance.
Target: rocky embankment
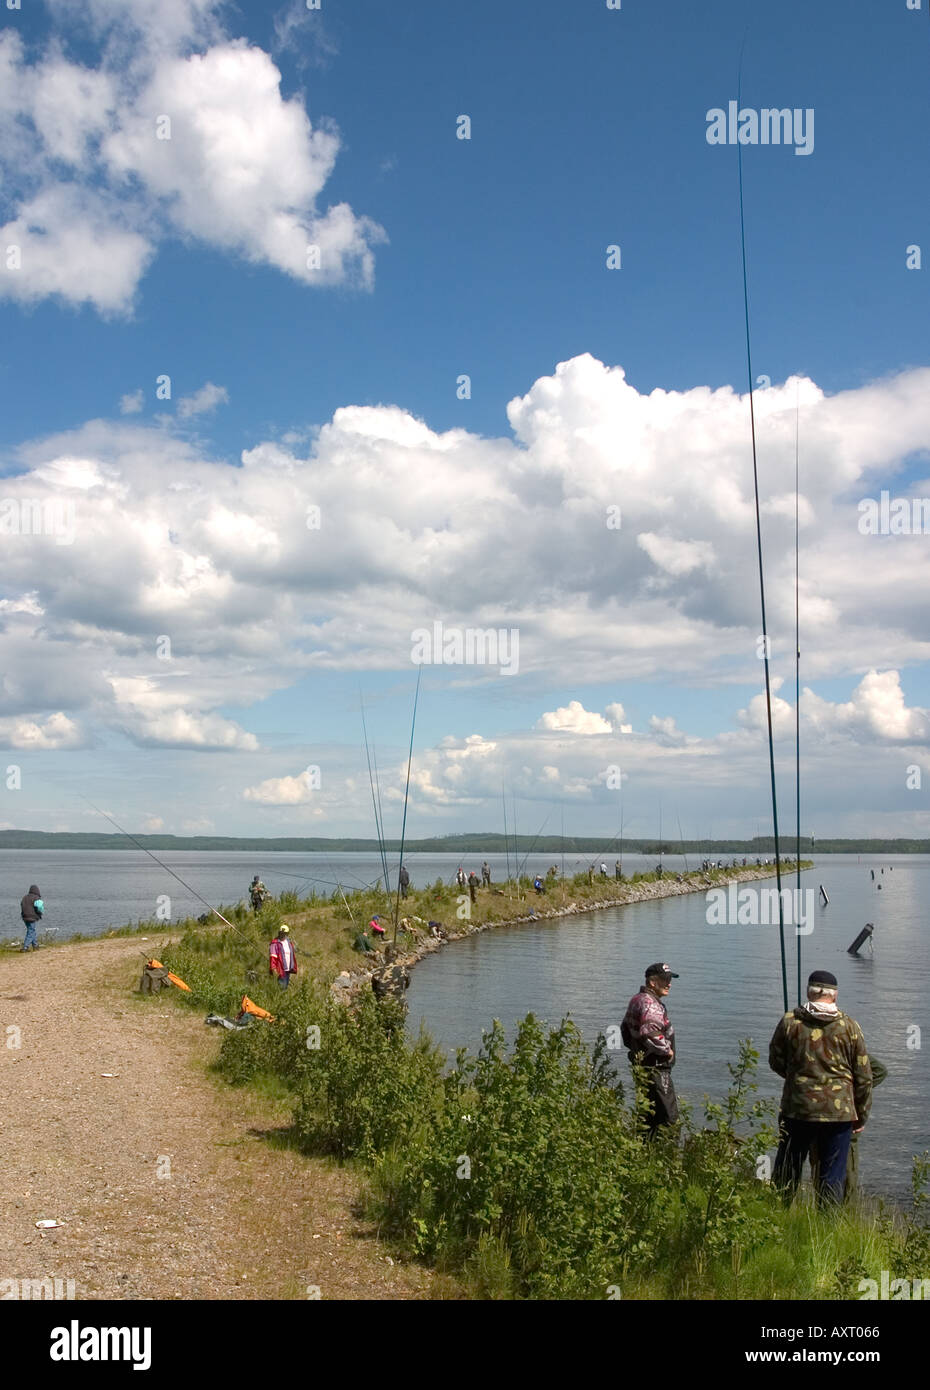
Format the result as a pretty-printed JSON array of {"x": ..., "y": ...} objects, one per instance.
[{"x": 347, "y": 985}]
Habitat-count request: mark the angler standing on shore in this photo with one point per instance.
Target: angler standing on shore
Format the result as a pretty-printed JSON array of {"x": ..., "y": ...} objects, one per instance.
[
  {"x": 403, "y": 878},
  {"x": 31, "y": 909},
  {"x": 486, "y": 874},
  {"x": 257, "y": 893},
  {"x": 650, "y": 1039},
  {"x": 821, "y": 1053},
  {"x": 282, "y": 958}
]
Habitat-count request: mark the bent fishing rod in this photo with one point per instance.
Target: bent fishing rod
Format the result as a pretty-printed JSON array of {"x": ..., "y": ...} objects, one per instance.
[{"x": 145, "y": 850}]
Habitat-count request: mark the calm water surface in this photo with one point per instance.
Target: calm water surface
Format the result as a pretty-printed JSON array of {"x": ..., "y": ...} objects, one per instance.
[{"x": 730, "y": 987}]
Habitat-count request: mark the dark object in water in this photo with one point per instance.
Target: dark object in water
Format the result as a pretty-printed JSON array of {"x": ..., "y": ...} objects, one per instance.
[
  {"x": 823, "y": 893},
  {"x": 861, "y": 939}
]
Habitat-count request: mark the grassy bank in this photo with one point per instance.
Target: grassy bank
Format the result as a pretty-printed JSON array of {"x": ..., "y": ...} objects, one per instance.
[{"x": 524, "y": 1170}]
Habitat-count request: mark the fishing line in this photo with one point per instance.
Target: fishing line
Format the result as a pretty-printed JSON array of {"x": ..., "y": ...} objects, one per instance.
[
  {"x": 403, "y": 828},
  {"x": 506, "y": 838},
  {"x": 533, "y": 845},
  {"x": 180, "y": 880},
  {"x": 797, "y": 653},
  {"x": 371, "y": 783},
  {"x": 374, "y": 759},
  {"x": 755, "y": 477},
  {"x": 516, "y": 852},
  {"x": 682, "y": 839}
]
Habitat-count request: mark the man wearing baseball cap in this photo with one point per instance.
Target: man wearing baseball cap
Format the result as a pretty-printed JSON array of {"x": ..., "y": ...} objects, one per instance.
[
  {"x": 822, "y": 1055},
  {"x": 650, "y": 1039}
]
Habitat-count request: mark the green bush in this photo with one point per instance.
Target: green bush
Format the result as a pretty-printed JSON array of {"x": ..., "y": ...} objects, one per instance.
[{"x": 364, "y": 1090}]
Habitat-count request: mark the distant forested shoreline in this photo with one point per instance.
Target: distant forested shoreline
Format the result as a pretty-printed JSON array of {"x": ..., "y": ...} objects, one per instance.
[{"x": 490, "y": 842}]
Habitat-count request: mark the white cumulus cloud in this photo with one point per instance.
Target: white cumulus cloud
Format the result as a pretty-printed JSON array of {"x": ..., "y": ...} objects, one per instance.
[
  {"x": 202, "y": 401},
  {"x": 282, "y": 791},
  {"x": 574, "y": 718},
  {"x": 102, "y": 163},
  {"x": 57, "y": 731}
]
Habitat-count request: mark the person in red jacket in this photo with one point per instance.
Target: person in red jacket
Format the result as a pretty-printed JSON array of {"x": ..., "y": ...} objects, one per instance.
[{"x": 282, "y": 958}]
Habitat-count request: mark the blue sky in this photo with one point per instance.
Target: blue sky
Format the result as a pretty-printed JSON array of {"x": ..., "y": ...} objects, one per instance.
[{"x": 483, "y": 256}]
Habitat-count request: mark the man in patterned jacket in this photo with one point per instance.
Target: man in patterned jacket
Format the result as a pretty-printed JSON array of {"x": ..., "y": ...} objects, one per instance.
[
  {"x": 822, "y": 1055},
  {"x": 650, "y": 1039}
]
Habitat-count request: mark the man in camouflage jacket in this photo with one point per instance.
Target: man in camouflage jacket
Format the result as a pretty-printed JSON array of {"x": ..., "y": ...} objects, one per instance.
[
  {"x": 391, "y": 979},
  {"x": 822, "y": 1055}
]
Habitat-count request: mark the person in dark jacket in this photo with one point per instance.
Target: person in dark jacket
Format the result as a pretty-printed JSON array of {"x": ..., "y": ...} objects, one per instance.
[
  {"x": 31, "y": 909},
  {"x": 650, "y": 1039},
  {"x": 403, "y": 879}
]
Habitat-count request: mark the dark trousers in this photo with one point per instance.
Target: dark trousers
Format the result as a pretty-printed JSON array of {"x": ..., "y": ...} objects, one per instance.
[
  {"x": 830, "y": 1139},
  {"x": 659, "y": 1090}
]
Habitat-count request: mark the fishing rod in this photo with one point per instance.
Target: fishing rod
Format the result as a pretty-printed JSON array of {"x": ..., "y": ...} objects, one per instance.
[
  {"x": 682, "y": 839},
  {"x": 516, "y": 852},
  {"x": 755, "y": 478},
  {"x": 797, "y": 656},
  {"x": 387, "y": 880},
  {"x": 403, "y": 828},
  {"x": 371, "y": 782},
  {"x": 535, "y": 838},
  {"x": 506, "y": 839},
  {"x": 167, "y": 870},
  {"x": 608, "y": 850},
  {"x": 327, "y": 882}
]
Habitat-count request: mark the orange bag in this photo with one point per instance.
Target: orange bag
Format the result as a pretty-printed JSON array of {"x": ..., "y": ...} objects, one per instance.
[
  {"x": 249, "y": 1008},
  {"x": 175, "y": 979}
]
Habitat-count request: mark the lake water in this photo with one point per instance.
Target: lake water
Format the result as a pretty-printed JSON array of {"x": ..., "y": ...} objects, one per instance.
[
  {"x": 89, "y": 891},
  {"x": 729, "y": 988},
  {"x": 588, "y": 966}
]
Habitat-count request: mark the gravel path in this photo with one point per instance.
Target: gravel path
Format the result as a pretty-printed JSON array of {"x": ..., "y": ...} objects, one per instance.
[{"x": 163, "y": 1179}]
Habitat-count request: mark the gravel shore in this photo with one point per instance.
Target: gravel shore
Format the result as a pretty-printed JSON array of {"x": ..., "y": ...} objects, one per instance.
[{"x": 163, "y": 1180}]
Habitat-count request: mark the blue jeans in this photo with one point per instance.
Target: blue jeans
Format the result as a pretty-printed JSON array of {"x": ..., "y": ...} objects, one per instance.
[
  {"x": 284, "y": 980},
  {"x": 30, "y": 936},
  {"x": 831, "y": 1138}
]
